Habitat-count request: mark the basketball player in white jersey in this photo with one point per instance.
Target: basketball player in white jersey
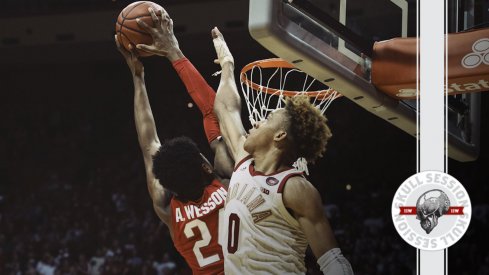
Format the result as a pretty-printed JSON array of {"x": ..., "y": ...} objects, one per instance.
[{"x": 272, "y": 212}]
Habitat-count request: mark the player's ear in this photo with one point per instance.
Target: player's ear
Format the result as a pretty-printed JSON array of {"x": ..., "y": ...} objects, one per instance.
[
  {"x": 206, "y": 165},
  {"x": 207, "y": 168},
  {"x": 280, "y": 135}
]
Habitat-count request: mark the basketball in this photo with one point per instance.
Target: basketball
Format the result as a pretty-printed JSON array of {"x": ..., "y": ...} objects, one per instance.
[{"x": 127, "y": 29}]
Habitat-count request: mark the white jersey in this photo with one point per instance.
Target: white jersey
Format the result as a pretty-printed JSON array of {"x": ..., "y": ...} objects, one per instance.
[{"x": 260, "y": 235}]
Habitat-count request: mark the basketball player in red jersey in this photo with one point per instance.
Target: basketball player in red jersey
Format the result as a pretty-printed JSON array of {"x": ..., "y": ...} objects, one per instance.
[
  {"x": 187, "y": 192},
  {"x": 272, "y": 212}
]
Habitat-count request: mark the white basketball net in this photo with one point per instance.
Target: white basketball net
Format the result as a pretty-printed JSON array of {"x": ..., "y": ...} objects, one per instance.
[{"x": 262, "y": 99}]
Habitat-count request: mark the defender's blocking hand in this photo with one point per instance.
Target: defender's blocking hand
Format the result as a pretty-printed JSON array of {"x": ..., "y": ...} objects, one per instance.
[{"x": 164, "y": 41}]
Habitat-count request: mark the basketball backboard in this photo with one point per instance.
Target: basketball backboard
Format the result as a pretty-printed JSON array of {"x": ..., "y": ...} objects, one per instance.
[{"x": 332, "y": 41}]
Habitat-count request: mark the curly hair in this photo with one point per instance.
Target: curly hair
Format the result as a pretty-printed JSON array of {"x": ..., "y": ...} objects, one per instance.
[
  {"x": 310, "y": 133},
  {"x": 178, "y": 167}
]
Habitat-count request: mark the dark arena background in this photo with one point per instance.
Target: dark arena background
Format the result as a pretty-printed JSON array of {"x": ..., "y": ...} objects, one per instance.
[{"x": 73, "y": 196}]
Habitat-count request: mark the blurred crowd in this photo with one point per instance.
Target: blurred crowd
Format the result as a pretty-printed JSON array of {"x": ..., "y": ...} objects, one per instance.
[
  {"x": 71, "y": 203},
  {"x": 96, "y": 227}
]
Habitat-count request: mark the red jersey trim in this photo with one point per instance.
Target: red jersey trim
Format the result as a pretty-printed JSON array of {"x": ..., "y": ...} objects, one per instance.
[
  {"x": 281, "y": 186},
  {"x": 241, "y": 162}
]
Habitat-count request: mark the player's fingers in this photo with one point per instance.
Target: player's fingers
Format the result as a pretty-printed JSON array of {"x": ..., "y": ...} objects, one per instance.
[
  {"x": 121, "y": 49},
  {"x": 156, "y": 19},
  {"x": 216, "y": 33},
  {"x": 150, "y": 49},
  {"x": 132, "y": 50},
  {"x": 216, "y": 61},
  {"x": 146, "y": 48},
  {"x": 163, "y": 16},
  {"x": 164, "y": 21},
  {"x": 159, "y": 12},
  {"x": 162, "y": 12},
  {"x": 170, "y": 26},
  {"x": 117, "y": 42},
  {"x": 145, "y": 26}
]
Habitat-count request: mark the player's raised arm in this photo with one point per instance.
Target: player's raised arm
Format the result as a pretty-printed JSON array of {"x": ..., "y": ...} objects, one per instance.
[
  {"x": 303, "y": 199},
  {"x": 166, "y": 44},
  {"x": 147, "y": 135},
  {"x": 204, "y": 97},
  {"x": 227, "y": 105}
]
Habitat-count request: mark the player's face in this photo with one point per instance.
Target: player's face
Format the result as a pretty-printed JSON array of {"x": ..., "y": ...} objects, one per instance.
[{"x": 263, "y": 132}]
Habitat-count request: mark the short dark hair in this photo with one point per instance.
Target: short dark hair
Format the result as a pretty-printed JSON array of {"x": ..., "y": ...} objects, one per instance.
[
  {"x": 178, "y": 167},
  {"x": 310, "y": 132}
]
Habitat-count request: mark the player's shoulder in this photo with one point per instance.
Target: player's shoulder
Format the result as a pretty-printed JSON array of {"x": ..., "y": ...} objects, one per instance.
[
  {"x": 216, "y": 191},
  {"x": 224, "y": 183},
  {"x": 218, "y": 183},
  {"x": 299, "y": 192},
  {"x": 299, "y": 183}
]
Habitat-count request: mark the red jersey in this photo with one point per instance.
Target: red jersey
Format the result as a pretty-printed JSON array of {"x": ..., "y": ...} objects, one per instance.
[{"x": 195, "y": 227}]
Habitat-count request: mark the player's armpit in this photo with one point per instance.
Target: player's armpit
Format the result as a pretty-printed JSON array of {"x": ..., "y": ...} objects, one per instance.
[
  {"x": 161, "y": 200},
  {"x": 232, "y": 130},
  {"x": 163, "y": 213},
  {"x": 303, "y": 199},
  {"x": 223, "y": 161},
  {"x": 149, "y": 150}
]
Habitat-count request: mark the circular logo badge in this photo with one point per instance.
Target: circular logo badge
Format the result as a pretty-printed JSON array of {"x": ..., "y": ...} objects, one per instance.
[
  {"x": 471, "y": 60},
  {"x": 271, "y": 181},
  {"x": 480, "y": 49},
  {"x": 431, "y": 210}
]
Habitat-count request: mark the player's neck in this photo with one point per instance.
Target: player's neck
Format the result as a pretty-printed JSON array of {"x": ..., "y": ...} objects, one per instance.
[
  {"x": 192, "y": 195},
  {"x": 269, "y": 161},
  {"x": 195, "y": 195}
]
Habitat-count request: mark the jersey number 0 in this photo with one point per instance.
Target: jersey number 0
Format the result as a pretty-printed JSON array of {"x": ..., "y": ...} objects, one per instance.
[{"x": 233, "y": 233}]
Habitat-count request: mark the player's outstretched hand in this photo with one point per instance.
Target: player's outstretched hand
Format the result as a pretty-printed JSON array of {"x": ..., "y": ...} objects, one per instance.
[
  {"x": 135, "y": 65},
  {"x": 222, "y": 50},
  {"x": 164, "y": 40}
]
